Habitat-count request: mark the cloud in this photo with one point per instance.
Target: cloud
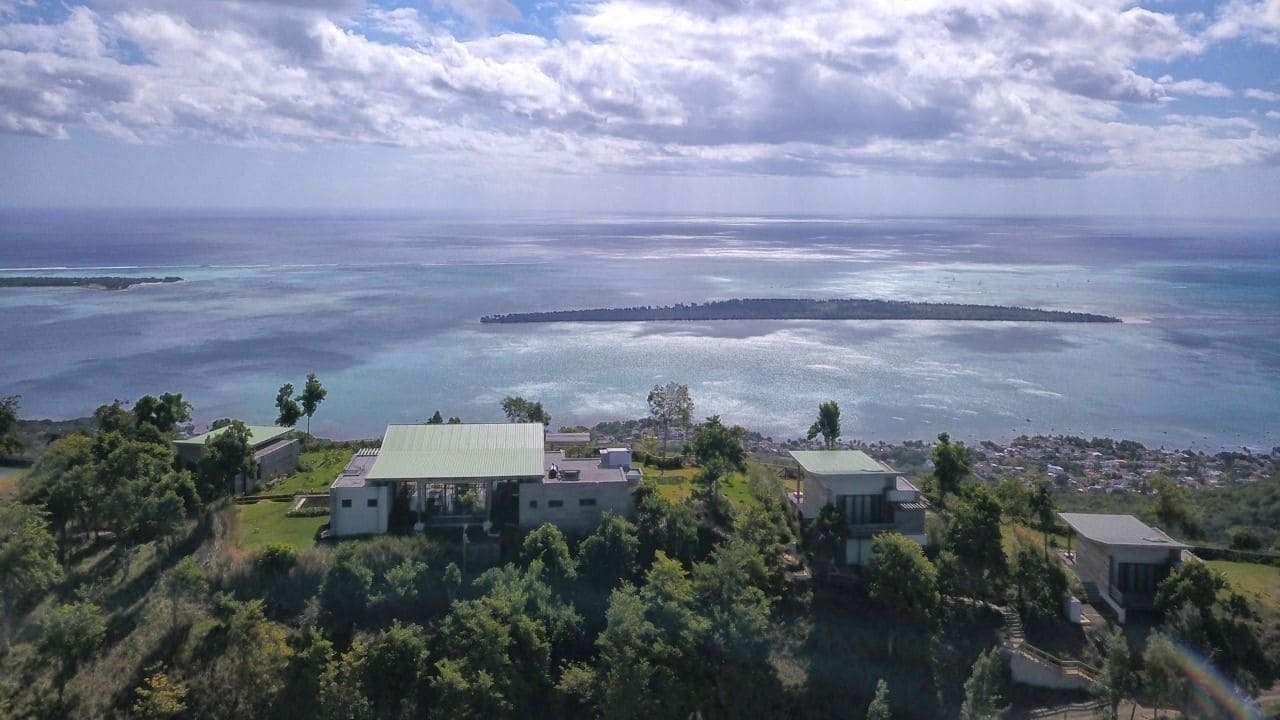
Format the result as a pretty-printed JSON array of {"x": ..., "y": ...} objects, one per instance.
[
  {"x": 1258, "y": 20},
  {"x": 1046, "y": 88},
  {"x": 1264, "y": 95}
]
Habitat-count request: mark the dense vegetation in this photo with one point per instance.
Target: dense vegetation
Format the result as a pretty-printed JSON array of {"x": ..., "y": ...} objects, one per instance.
[
  {"x": 803, "y": 309},
  {"x": 95, "y": 283}
]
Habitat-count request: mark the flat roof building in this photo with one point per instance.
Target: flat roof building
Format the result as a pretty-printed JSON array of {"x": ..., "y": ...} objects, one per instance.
[
  {"x": 274, "y": 453},
  {"x": 1120, "y": 559}
]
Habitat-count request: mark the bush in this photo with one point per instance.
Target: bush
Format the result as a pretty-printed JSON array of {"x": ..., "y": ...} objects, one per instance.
[
  {"x": 308, "y": 512},
  {"x": 1245, "y": 539},
  {"x": 670, "y": 462}
]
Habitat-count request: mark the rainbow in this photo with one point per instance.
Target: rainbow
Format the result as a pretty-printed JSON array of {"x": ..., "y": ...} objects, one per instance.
[{"x": 1211, "y": 693}]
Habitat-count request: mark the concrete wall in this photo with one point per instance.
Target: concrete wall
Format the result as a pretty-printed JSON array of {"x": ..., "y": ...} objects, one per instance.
[
  {"x": 350, "y": 514},
  {"x": 562, "y": 503},
  {"x": 857, "y": 551},
  {"x": 1033, "y": 671},
  {"x": 278, "y": 459}
]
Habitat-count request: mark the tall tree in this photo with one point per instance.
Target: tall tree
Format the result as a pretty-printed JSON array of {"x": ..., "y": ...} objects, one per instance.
[
  {"x": 950, "y": 467},
  {"x": 224, "y": 458},
  {"x": 63, "y": 484},
  {"x": 289, "y": 412},
  {"x": 714, "y": 441},
  {"x": 519, "y": 410},
  {"x": 71, "y": 634},
  {"x": 246, "y": 679},
  {"x": 902, "y": 579},
  {"x": 313, "y": 393},
  {"x": 983, "y": 697},
  {"x": 394, "y": 668},
  {"x": 608, "y": 555},
  {"x": 669, "y": 405},
  {"x": 827, "y": 537},
  {"x": 879, "y": 707},
  {"x": 1173, "y": 507},
  {"x": 436, "y": 419},
  {"x": 1162, "y": 674},
  {"x": 827, "y": 425},
  {"x": 547, "y": 545},
  {"x": 973, "y": 536},
  {"x": 10, "y": 441},
  {"x": 164, "y": 413},
  {"x": 28, "y": 561},
  {"x": 1118, "y": 677},
  {"x": 1041, "y": 506}
]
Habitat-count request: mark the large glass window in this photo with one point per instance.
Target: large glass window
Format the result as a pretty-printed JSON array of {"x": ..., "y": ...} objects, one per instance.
[
  {"x": 1140, "y": 577},
  {"x": 864, "y": 509}
]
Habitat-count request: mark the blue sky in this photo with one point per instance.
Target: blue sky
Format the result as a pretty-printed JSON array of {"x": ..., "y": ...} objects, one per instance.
[{"x": 884, "y": 106}]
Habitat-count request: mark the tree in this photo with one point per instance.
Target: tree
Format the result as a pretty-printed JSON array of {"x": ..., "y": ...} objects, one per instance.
[
  {"x": 452, "y": 579},
  {"x": 879, "y": 707},
  {"x": 164, "y": 413},
  {"x": 973, "y": 536},
  {"x": 436, "y": 419},
  {"x": 1245, "y": 539},
  {"x": 289, "y": 410},
  {"x": 225, "y": 457},
  {"x": 1172, "y": 506},
  {"x": 670, "y": 405},
  {"x": 663, "y": 525},
  {"x": 406, "y": 586},
  {"x": 983, "y": 699},
  {"x": 28, "y": 561},
  {"x": 313, "y": 393},
  {"x": 519, "y": 410},
  {"x": 344, "y": 593},
  {"x": 713, "y": 441},
  {"x": 608, "y": 555},
  {"x": 10, "y": 441},
  {"x": 1118, "y": 677},
  {"x": 547, "y": 545},
  {"x": 1015, "y": 499},
  {"x": 245, "y": 680},
  {"x": 395, "y": 665},
  {"x": 159, "y": 697},
  {"x": 63, "y": 483},
  {"x": 1195, "y": 584},
  {"x": 950, "y": 467},
  {"x": 1039, "y": 583},
  {"x": 1162, "y": 673},
  {"x": 827, "y": 536},
  {"x": 71, "y": 634},
  {"x": 183, "y": 585},
  {"x": 827, "y": 425},
  {"x": 455, "y": 420},
  {"x": 1041, "y": 505},
  {"x": 901, "y": 578}
]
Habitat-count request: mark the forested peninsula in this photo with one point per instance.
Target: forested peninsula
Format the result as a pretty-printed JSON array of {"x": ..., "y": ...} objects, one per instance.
[
  {"x": 804, "y": 309},
  {"x": 93, "y": 283}
]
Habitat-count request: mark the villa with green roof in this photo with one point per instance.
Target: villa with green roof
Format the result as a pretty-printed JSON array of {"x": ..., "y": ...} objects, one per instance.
[
  {"x": 873, "y": 497},
  {"x": 478, "y": 474},
  {"x": 274, "y": 454}
]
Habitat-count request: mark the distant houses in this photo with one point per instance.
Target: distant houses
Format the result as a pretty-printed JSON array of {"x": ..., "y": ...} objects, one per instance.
[
  {"x": 274, "y": 454},
  {"x": 873, "y": 497},
  {"x": 478, "y": 474}
]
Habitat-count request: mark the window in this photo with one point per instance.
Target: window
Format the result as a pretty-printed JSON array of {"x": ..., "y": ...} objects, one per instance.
[
  {"x": 346, "y": 503},
  {"x": 555, "y": 503},
  {"x": 533, "y": 504},
  {"x": 586, "y": 502},
  {"x": 373, "y": 502},
  {"x": 1140, "y": 577},
  {"x": 863, "y": 509}
]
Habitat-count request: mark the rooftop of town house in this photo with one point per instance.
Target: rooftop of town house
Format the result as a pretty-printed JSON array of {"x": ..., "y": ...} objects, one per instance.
[
  {"x": 460, "y": 452},
  {"x": 839, "y": 462},
  {"x": 1124, "y": 530},
  {"x": 579, "y": 469},
  {"x": 258, "y": 435}
]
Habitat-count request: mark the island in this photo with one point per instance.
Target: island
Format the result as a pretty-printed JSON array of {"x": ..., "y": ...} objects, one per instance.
[
  {"x": 92, "y": 283},
  {"x": 804, "y": 309}
]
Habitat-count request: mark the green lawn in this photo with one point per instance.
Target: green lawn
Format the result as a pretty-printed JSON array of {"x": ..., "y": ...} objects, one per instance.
[
  {"x": 1259, "y": 583},
  {"x": 319, "y": 468},
  {"x": 1007, "y": 538},
  {"x": 265, "y": 523},
  {"x": 9, "y": 477},
  {"x": 676, "y": 485}
]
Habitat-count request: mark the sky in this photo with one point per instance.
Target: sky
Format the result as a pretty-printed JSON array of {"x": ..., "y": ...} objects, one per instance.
[{"x": 770, "y": 106}]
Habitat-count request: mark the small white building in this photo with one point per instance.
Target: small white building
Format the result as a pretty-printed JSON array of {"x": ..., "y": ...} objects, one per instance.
[
  {"x": 357, "y": 507},
  {"x": 574, "y": 493}
]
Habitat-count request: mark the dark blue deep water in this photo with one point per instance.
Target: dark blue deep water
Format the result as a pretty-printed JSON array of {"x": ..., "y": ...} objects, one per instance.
[{"x": 386, "y": 311}]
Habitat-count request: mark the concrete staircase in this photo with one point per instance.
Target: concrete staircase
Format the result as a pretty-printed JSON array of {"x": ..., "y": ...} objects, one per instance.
[{"x": 1032, "y": 666}]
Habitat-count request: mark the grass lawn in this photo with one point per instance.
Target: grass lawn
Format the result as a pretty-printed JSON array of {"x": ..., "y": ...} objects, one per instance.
[
  {"x": 676, "y": 485},
  {"x": 319, "y": 468},
  {"x": 1259, "y": 583},
  {"x": 9, "y": 477},
  {"x": 1009, "y": 543},
  {"x": 264, "y": 523}
]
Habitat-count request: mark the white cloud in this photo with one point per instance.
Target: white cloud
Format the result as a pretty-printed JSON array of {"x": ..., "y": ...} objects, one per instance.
[
  {"x": 1264, "y": 95},
  {"x": 1044, "y": 88},
  {"x": 1258, "y": 20}
]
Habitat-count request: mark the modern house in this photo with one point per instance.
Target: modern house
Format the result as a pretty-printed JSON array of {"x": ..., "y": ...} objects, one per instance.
[
  {"x": 873, "y": 497},
  {"x": 274, "y": 454},
  {"x": 1120, "y": 559},
  {"x": 455, "y": 475}
]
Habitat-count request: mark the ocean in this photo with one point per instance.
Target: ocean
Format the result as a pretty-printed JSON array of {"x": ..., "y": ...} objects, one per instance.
[{"x": 385, "y": 309}]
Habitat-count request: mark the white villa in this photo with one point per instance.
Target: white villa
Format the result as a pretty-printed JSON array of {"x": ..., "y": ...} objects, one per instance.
[
  {"x": 873, "y": 497},
  {"x": 1120, "y": 559},
  {"x": 467, "y": 474}
]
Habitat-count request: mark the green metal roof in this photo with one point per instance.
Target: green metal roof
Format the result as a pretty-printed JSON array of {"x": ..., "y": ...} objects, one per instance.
[
  {"x": 459, "y": 452},
  {"x": 839, "y": 462},
  {"x": 258, "y": 434},
  {"x": 1118, "y": 530}
]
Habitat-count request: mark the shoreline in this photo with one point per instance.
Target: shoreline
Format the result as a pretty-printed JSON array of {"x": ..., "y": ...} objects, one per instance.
[{"x": 105, "y": 283}]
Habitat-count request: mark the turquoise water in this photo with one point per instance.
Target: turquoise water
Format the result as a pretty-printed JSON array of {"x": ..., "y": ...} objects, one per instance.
[{"x": 386, "y": 311}]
